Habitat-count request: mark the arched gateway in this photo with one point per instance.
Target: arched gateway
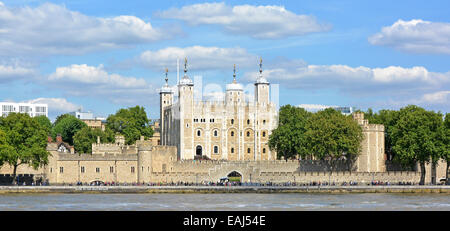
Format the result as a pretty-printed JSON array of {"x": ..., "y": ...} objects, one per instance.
[{"x": 234, "y": 176}]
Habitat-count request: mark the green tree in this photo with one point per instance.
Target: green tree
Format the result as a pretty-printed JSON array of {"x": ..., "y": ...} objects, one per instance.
[
  {"x": 414, "y": 136},
  {"x": 22, "y": 142},
  {"x": 84, "y": 138},
  {"x": 60, "y": 117},
  {"x": 331, "y": 135},
  {"x": 288, "y": 139},
  {"x": 131, "y": 123},
  {"x": 446, "y": 142},
  {"x": 45, "y": 123},
  {"x": 67, "y": 127}
]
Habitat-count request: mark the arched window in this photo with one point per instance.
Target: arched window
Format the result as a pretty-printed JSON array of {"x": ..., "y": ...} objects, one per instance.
[
  {"x": 264, "y": 134},
  {"x": 248, "y": 134},
  {"x": 232, "y": 150},
  {"x": 264, "y": 150},
  {"x": 216, "y": 149},
  {"x": 248, "y": 150},
  {"x": 248, "y": 121},
  {"x": 264, "y": 121},
  {"x": 215, "y": 133},
  {"x": 199, "y": 133},
  {"x": 232, "y": 121},
  {"x": 232, "y": 133}
]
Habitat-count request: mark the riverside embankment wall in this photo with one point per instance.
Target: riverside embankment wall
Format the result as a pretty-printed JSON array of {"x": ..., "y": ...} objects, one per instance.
[{"x": 224, "y": 189}]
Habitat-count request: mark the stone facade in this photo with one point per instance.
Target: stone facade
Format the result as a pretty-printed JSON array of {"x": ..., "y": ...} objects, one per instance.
[
  {"x": 372, "y": 157},
  {"x": 145, "y": 163},
  {"x": 233, "y": 129}
]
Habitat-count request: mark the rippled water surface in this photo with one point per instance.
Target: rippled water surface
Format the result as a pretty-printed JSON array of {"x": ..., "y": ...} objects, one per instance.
[{"x": 265, "y": 202}]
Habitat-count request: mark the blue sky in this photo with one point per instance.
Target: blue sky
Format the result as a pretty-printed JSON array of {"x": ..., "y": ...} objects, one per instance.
[{"x": 105, "y": 55}]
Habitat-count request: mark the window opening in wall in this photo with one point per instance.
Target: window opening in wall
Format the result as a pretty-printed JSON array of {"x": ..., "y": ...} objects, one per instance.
[
  {"x": 216, "y": 149},
  {"x": 132, "y": 169},
  {"x": 232, "y": 133},
  {"x": 232, "y": 121},
  {"x": 248, "y": 150},
  {"x": 97, "y": 169},
  {"x": 61, "y": 169},
  {"x": 232, "y": 150},
  {"x": 248, "y": 133},
  {"x": 199, "y": 133},
  {"x": 82, "y": 169},
  {"x": 111, "y": 169}
]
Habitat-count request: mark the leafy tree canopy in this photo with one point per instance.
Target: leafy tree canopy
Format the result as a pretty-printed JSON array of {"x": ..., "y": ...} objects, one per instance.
[
  {"x": 67, "y": 126},
  {"x": 84, "y": 138},
  {"x": 327, "y": 134},
  {"x": 45, "y": 123},
  {"x": 22, "y": 141},
  {"x": 289, "y": 138},
  {"x": 131, "y": 123},
  {"x": 332, "y": 135}
]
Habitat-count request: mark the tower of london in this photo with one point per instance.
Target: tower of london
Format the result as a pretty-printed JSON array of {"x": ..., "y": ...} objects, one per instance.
[{"x": 231, "y": 129}]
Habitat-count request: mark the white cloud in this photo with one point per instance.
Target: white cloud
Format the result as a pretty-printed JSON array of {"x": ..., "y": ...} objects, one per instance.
[
  {"x": 385, "y": 86},
  {"x": 199, "y": 58},
  {"x": 353, "y": 78},
  {"x": 416, "y": 36},
  {"x": 440, "y": 97},
  {"x": 84, "y": 80},
  {"x": 56, "y": 105},
  {"x": 14, "y": 72},
  {"x": 261, "y": 22},
  {"x": 53, "y": 29}
]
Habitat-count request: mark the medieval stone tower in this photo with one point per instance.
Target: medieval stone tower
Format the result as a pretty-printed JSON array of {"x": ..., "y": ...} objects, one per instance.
[{"x": 233, "y": 129}]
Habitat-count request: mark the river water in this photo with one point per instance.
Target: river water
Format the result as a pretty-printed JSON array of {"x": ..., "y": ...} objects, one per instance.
[{"x": 227, "y": 202}]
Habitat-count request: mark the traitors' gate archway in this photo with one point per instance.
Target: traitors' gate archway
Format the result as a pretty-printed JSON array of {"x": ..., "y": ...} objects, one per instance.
[{"x": 234, "y": 176}]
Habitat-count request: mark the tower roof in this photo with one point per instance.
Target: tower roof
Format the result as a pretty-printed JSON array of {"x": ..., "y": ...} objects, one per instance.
[
  {"x": 166, "y": 88},
  {"x": 261, "y": 79},
  {"x": 185, "y": 80},
  {"x": 234, "y": 86}
]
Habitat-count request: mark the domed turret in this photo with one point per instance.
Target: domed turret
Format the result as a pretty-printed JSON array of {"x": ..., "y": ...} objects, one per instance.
[
  {"x": 235, "y": 91},
  {"x": 186, "y": 80}
]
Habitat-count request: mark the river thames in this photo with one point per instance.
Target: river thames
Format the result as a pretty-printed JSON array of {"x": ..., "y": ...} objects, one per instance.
[{"x": 226, "y": 202}]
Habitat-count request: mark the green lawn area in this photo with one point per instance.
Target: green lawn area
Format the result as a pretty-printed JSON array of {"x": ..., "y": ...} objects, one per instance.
[{"x": 234, "y": 179}]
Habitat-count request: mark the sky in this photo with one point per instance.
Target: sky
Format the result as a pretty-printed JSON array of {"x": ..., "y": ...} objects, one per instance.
[{"x": 105, "y": 55}]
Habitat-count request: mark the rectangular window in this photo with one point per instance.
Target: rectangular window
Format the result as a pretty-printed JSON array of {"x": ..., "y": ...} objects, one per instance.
[
  {"x": 97, "y": 169},
  {"x": 132, "y": 169},
  {"x": 61, "y": 169},
  {"x": 111, "y": 169},
  {"x": 82, "y": 169}
]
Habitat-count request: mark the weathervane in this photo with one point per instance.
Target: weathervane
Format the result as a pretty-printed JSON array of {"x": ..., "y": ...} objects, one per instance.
[
  {"x": 234, "y": 73},
  {"x": 167, "y": 79}
]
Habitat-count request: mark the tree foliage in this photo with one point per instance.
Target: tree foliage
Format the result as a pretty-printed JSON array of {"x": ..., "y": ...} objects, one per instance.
[
  {"x": 324, "y": 135},
  {"x": 332, "y": 135},
  {"x": 45, "y": 123},
  {"x": 22, "y": 141},
  {"x": 67, "y": 126},
  {"x": 84, "y": 138},
  {"x": 289, "y": 138},
  {"x": 131, "y": 123},
  {"x": 415, "y": 136}
]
